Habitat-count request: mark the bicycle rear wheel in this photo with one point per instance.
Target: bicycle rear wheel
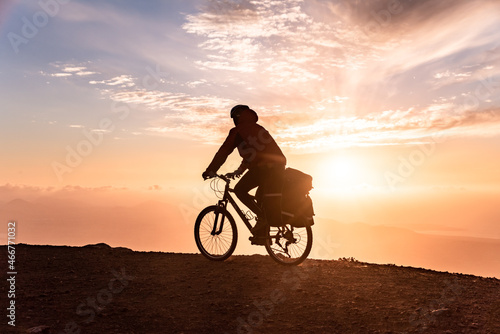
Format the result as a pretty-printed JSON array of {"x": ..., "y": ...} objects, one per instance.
[
  {"x": 215, "y": 233},
  {"x": 289, "y": 245}
]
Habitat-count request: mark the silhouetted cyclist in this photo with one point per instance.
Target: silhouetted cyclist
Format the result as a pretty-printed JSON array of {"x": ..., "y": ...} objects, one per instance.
[{"x": 265, "y": 163}]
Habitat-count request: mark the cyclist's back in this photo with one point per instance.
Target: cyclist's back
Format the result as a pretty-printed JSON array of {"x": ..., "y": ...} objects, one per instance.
[{"x": 255, "y": 144}]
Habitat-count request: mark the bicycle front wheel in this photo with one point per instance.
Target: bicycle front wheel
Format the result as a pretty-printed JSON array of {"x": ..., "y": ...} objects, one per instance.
[
  {"x": 215, "y": 233},
  {"x": 289, "y": 245}
]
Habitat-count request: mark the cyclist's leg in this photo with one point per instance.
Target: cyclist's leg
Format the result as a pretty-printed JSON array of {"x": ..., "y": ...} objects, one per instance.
[
  {"x": 248, "y": 182},
  {"x": 273, "y": 184}
]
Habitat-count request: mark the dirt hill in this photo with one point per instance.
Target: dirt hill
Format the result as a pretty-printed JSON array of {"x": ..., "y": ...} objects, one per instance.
[{"x": 99, "y": 289}]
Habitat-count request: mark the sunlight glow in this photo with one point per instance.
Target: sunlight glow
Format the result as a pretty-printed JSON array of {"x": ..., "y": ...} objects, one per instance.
[{"x": 340, "y": 172}]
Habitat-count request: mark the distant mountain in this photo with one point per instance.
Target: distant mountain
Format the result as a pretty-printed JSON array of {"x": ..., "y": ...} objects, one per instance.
[
  {"x": 151, "y": 225},
  {"x": 18, "y": 209},
  {"x": 384, "y": 244},
  {"x": 16, "y": 204}
]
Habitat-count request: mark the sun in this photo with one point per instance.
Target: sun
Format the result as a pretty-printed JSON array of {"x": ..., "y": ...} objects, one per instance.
[{"x": 341, "y": 171}]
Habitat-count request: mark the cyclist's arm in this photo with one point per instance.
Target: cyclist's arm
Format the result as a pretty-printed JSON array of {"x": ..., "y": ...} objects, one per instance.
[
  {"x": 242, "y": 168},
  {"x": 224, "y": 151}
]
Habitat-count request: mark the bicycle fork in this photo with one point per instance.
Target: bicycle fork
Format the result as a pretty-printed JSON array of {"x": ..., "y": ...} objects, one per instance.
[{"x": 221, "y": 208}]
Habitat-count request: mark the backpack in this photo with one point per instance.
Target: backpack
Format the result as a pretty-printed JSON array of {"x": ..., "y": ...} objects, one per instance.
[{"x": 296, "y": 205}]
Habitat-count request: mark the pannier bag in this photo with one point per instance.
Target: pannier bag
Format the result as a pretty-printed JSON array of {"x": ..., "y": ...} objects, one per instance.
[{"x": 296, "y": 205}]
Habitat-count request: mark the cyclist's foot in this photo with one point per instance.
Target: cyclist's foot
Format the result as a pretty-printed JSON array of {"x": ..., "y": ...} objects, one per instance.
[
  {"x": 260, "y": 229},
  {"x": 259, "y": 241}
]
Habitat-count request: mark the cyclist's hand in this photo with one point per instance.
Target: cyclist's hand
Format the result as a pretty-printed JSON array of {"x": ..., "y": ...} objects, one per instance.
[{"x": 208, "y": 175}]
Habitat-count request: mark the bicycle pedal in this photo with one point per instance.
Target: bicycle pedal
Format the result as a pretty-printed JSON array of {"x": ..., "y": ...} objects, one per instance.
[{"x": 259, "y": 241}]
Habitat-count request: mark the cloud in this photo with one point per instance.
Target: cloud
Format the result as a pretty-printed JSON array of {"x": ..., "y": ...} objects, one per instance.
[
  {"x": 68, "y": 70},
  {"x": 467, "y": 74},
  {"x": 314, "y": 50},
  {"x": 276, "y": 38},
  {"x": 391, "y": 127},
  {"x": 72, "y": 195},
  {"x": 9, "y": 188},
  {"x": 177, "y": 110},
  {"x": 73, "y": 69},
  {"x": 81, "y": 13},
  {"x": 59, "y": 75},
  {"x": 203, "y": 118},
  {"x": 123, "y": 80},
  {"x": 294, "y": 39},
  {"x": 320, "y": 73}
]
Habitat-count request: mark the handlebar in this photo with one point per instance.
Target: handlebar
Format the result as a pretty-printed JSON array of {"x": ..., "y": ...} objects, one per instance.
[
  {"x": 224, "y": 177},
  {"x": 221, "y": 176},
  {"x": 214, "y": 184}
]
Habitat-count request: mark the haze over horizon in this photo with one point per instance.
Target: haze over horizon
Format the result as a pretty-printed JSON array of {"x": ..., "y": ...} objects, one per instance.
[{"x": 392, "y": 106}]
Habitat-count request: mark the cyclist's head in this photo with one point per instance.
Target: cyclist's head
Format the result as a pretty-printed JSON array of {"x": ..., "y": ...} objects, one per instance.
[{"x": 237, "y": 111}]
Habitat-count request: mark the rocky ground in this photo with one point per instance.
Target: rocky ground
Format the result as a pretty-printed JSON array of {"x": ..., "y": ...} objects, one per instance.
[{"x": 99, "y": 289}]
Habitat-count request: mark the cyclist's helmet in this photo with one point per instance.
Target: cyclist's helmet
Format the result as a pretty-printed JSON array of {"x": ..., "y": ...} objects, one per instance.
[{"x": 236, "y": 112}]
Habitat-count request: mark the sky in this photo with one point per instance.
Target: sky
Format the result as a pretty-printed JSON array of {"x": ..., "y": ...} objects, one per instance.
[{"x": 392, "y": 106}]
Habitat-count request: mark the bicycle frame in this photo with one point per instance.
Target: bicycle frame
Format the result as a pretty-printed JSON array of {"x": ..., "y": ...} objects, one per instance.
[{"x": 222, "y": 203}]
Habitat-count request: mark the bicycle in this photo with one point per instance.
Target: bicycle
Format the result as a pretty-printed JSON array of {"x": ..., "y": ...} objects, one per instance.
[{"x": 216, "y": 233}]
